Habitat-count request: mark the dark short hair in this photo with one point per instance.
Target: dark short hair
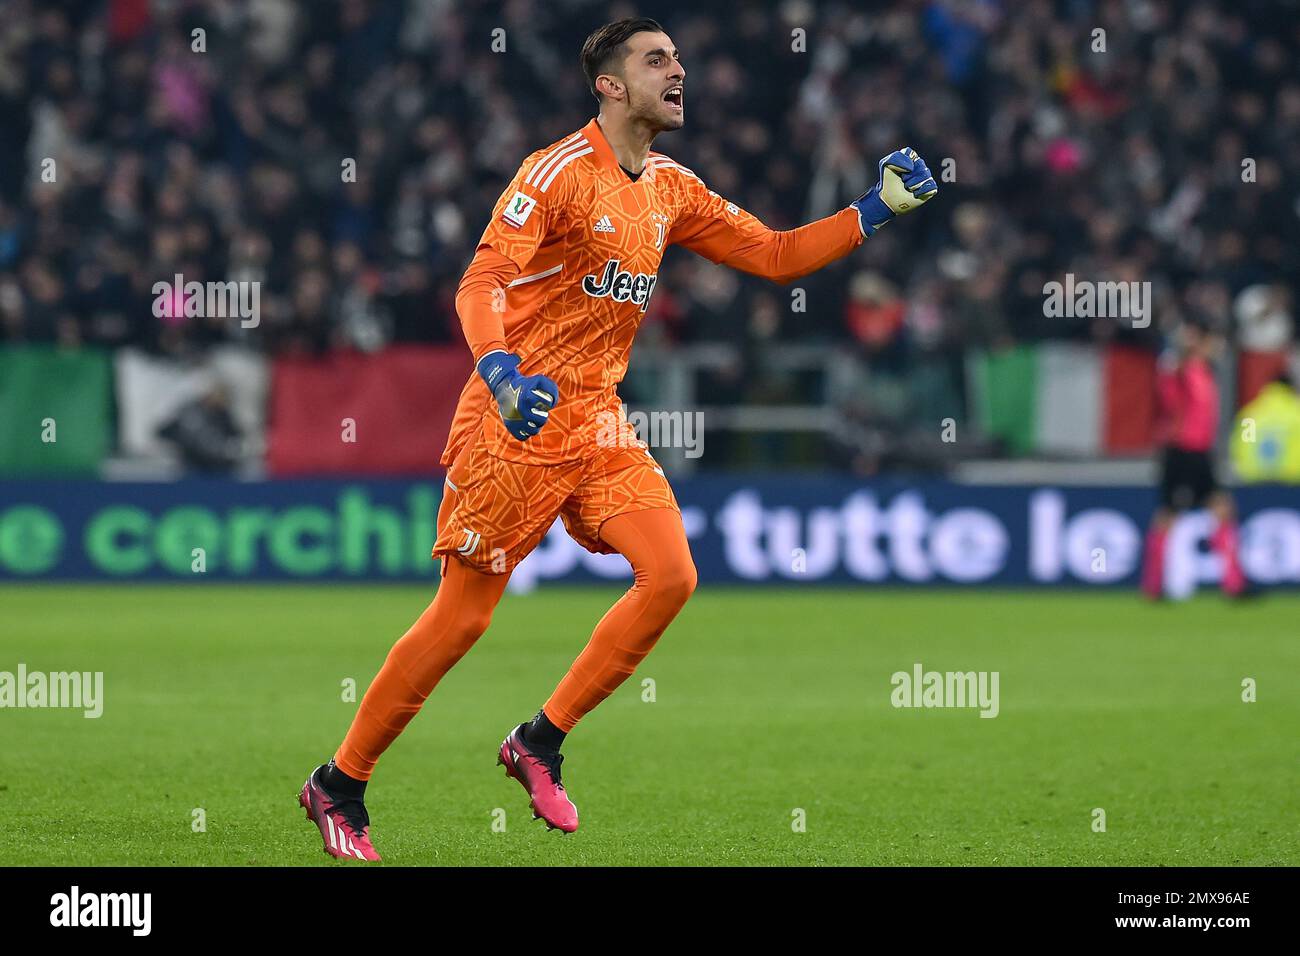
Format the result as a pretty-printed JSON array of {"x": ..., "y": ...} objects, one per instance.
[{"x": 606, "y": 45}]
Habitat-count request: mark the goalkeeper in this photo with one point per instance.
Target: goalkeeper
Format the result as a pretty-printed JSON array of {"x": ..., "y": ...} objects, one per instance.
[{"x": 550, "y": 305}]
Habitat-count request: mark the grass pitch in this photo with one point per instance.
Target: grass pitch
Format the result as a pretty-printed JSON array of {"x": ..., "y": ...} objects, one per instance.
[{"x": 766, "y": 703}]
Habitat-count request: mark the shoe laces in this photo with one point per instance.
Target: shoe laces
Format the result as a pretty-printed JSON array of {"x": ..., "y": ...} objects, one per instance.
[
  {"x": 551, "y": 760},
  {"x": 351, "y": 809},
  {"x": 353, "y": 812}
]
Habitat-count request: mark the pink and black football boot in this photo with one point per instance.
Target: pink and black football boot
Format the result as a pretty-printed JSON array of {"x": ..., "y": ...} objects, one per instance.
[
  {"x": 539, "y": 772},
  {"x": 343, "y": 821}
]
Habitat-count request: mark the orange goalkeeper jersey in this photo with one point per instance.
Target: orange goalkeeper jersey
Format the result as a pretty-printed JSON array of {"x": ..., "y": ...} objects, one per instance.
[{"x": 587, "y": 242}]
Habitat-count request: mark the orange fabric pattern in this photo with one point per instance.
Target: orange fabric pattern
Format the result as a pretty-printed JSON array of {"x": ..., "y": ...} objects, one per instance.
[{"x": 496, "y": 510}]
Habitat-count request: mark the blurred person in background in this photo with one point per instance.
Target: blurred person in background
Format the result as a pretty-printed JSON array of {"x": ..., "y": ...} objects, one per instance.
[
  {"x": 1266, "y": 441},
  {"x": 205, "y": 434},
  {"x": 1187, "y": 398}
]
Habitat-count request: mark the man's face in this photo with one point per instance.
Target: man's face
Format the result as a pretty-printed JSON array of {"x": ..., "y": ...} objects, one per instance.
[
  {"x": 1199, "y": 342},
  {"x": 654, "y": 77}
]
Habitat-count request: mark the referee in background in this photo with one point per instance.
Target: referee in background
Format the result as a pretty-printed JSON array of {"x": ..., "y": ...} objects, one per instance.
[{"x": 1187, "y": 423}]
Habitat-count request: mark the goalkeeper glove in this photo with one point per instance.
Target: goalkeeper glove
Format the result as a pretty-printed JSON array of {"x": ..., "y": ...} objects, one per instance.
[
  {"x": 524, "y": 400},
  {"x": 905, "y": 183}
]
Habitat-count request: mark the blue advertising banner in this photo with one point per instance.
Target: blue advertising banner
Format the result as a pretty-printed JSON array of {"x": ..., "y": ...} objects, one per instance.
[{"x": 757, "y": 530}]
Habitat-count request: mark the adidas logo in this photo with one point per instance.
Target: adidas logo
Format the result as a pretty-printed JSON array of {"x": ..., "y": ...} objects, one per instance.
[{"x": 603, "y": 225}]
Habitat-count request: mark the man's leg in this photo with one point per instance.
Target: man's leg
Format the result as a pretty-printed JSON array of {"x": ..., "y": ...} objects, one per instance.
[
  {"x": 334, "y": 794},
  {"x": 1153, "y": 560},
  {"x": 493, "y": 513},
  {"x": 1172, "y": 493},
  {"x": 1225, "y": 541},
  {"x": 448, "y": 628},
  {"x": 654, "y": 543},
  {"x": 476, "y": 565}
]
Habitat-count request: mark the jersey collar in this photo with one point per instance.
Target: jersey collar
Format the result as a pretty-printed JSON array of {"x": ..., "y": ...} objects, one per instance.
[
  {"x": 604, "y": 152},
  {"x": 605, "y": 157}
]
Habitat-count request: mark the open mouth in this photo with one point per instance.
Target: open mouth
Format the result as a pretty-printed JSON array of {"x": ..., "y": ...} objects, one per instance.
[{"x": 673, "y": 97}]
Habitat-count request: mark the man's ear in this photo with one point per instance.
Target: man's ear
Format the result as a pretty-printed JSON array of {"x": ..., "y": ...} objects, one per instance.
[{"x": 609, "y": 86}]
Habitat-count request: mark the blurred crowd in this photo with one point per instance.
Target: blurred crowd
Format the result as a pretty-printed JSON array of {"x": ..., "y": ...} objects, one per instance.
[{"x": 1116, "y": 140}]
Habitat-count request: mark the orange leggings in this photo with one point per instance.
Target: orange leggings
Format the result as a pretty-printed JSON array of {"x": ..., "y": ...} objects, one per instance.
[{"x": 654, "y": 543}]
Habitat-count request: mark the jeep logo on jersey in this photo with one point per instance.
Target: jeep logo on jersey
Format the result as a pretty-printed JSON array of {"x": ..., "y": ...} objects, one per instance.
[{"x": 620, "y": 286}]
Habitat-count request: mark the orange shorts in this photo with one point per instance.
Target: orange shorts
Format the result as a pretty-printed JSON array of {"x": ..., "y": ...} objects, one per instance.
[{"x": 495, "y": 511}]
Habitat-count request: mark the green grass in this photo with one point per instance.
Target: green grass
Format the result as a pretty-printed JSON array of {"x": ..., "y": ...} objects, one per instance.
[{"x": 223, "y": 698}]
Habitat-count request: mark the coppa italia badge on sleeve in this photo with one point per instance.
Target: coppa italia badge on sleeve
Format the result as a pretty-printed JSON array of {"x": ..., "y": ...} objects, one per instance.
[{"x": 519, "y": 209}]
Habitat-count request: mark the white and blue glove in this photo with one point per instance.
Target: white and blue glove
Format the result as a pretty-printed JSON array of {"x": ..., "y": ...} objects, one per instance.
[
  {"x": 525, "y": 401},
  {"x": 905, "y": 183}
]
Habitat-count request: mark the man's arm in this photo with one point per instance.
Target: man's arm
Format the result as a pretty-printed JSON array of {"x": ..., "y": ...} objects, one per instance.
[
  {"x": 480, "y": 301},
  {"x": 1169, "y": 382},
  {"x": 524, "y": 401},
  {"x": 724, "y": 233},
  {"x": 1170, "y": 395},
  {"x": 744, "y": 242},
  {"x": 532, "y": 208},
  {"x": 529, "y": 209}
]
